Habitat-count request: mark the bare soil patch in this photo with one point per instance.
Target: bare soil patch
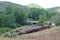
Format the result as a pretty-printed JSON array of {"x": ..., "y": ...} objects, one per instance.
[{"x": 48, "y": 34}]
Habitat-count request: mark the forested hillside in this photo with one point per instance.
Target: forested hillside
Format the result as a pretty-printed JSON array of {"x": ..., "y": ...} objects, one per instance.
[
  {"x": 15, "y": 15},
  {"x": 54, "y": 9},
  {"x": 8, "y": 13},
  {"x": 56, "y": 14}
]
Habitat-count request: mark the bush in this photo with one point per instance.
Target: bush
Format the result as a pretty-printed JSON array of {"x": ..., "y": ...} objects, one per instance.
[
  {"x": 14, "y": 25},
  {"x": 3, "y": 30},
  {"x": 7, "y": 35},
  {"x": 41, "y": 20},
  {"x": 40, "y": 23}
]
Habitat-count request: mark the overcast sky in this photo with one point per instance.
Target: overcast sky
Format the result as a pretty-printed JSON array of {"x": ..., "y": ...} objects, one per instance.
[{"x": 43, "y": 3}]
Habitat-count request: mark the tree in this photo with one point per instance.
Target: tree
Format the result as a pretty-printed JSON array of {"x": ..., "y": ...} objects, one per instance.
[
  {"x": 36, "y": 12},
  {"x": 7, "y": 19},
  {"x": 20, "y": 16},
  {"x": 41, "y": 20}
]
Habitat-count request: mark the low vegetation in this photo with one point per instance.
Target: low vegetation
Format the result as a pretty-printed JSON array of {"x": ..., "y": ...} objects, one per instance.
[{"x": 3, "y": 30}]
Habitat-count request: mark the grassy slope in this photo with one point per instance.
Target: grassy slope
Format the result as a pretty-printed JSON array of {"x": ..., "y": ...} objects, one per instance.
[{"x": 48, "y": 34}]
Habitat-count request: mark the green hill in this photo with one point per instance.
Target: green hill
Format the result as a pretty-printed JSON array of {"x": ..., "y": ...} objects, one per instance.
[
  {"x": 33, "y": 5},
  {"x": 54, "y": 9},
  {"x": 4, "y": 4},
  {"x": 56, "y": 14}
]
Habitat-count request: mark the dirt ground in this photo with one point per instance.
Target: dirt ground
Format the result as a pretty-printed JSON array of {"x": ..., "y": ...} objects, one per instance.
[{"x": 48, "y": 34}]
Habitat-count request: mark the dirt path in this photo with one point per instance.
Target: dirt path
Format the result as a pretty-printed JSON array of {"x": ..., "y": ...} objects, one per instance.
[{"x": 49, "y": 34}]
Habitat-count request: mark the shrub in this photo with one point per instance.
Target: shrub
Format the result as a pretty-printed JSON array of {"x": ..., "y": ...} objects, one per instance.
[
  {"x": 41, "y": 20},
  {"x": 3, "y": 30}
]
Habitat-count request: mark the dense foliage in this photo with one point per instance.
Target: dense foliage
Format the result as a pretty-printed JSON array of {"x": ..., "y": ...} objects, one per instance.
[
  {"x": 15, "y": 15},
  {"x": 3, "y": 30},
  {"x": 41, "y": 20}
]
